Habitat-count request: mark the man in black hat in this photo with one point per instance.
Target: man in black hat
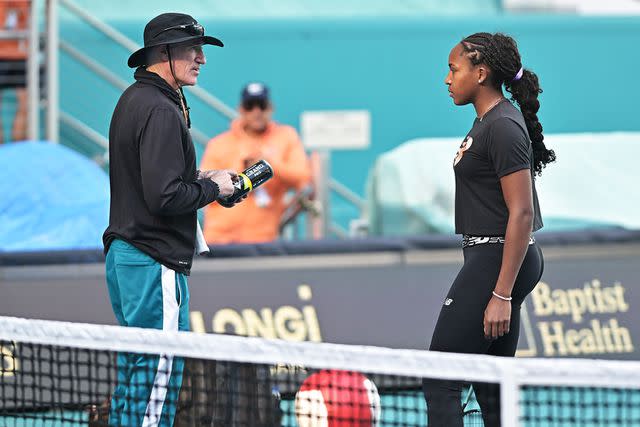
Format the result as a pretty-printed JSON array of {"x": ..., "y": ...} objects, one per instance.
[{"x": 155, "y": 194}]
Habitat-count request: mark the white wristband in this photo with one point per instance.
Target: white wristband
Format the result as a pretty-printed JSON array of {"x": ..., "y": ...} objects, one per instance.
[{"x": 501, "y": 297}]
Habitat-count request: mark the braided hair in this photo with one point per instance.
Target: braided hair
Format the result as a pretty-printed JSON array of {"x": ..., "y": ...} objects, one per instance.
[{"x": 500, "y": 53}]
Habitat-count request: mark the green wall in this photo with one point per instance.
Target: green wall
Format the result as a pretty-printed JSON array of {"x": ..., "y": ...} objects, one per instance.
[{"x": 393, "y": 67}]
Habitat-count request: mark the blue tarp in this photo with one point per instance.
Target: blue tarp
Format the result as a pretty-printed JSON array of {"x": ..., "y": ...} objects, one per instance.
[{"x": 51, "y": 198}]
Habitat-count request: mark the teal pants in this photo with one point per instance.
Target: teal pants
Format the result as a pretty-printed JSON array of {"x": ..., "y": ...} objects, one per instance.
[{"x": 145, "y": 294}]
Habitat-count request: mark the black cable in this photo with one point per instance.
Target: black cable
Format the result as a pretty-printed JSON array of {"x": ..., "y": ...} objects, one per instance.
[{"x": 183, "y": 99}]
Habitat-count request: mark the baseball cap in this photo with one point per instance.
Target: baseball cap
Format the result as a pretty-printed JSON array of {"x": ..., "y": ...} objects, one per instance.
[{"x": 255, "y": 91}]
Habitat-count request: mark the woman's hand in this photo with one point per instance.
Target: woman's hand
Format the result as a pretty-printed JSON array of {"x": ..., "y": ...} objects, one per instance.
[{"x": 497, "y": 317}]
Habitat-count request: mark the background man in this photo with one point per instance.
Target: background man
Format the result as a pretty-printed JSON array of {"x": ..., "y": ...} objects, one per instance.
[{"x": 254, "y": 136}]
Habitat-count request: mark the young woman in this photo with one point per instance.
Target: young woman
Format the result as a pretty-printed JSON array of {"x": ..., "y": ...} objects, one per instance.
[{"x": 496, "y": 212}]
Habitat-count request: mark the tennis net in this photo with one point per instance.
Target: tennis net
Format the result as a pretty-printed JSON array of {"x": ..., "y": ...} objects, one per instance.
[{"x": 65, "y": 374}]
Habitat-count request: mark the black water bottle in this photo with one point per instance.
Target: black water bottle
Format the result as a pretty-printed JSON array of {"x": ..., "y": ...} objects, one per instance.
[{"x": 250, "y": 179}]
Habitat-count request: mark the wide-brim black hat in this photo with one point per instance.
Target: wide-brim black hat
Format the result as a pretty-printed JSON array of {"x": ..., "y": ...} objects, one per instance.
[{"x": 170, "y": 28}]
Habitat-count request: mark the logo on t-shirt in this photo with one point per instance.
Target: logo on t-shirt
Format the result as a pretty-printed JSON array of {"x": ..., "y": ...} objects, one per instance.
[{"x": 466, "y": 144}]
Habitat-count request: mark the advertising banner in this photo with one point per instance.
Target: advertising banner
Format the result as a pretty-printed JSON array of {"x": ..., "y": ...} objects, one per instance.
[{"x": 586, "y": 305}]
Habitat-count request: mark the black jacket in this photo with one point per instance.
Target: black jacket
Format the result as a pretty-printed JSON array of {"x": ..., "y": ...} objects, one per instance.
[{"x": 152, "y": 172}]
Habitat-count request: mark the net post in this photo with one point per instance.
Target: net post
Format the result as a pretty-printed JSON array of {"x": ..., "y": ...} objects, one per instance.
[
  {"x": 318, "y": 226},
  {"x": 509, "y": 393}
]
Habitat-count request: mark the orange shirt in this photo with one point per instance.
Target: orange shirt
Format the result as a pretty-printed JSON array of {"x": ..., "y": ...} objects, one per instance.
[
  {"x": 257, "y": 218},
  {"x": 14, "y": 15}
]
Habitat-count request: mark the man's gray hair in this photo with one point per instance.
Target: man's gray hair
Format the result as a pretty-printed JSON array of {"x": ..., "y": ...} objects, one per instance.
[{"x": 154, "y": 54}]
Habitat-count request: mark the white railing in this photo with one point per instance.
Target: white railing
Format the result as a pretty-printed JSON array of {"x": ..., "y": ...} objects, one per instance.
[
  {"x": 132, "y": 46},
  {"x": 207, "y": 98}
]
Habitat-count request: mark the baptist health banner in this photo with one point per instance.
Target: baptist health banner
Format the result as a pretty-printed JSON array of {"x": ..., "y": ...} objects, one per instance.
[
  {"x": 591, "y": 320},
  {"x": 587, "y": 304}
]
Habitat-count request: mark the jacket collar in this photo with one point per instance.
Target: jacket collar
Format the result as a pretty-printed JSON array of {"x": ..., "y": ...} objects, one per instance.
[{"x": 147, "y": 77}]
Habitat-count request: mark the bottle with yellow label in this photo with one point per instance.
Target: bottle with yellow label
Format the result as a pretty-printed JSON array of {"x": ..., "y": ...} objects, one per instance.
[{"x": 247, "y": 181}]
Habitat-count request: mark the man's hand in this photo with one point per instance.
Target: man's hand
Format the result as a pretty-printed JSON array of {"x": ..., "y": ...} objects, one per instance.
[{"x": 224, "y": 178}]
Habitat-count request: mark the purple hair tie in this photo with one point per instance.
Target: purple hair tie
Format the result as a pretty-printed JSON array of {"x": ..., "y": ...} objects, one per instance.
[{"x": 518, "y": 75}]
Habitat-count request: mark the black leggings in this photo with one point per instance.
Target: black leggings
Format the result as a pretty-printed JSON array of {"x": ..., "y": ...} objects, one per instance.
[{"x": 460, "y": 329}]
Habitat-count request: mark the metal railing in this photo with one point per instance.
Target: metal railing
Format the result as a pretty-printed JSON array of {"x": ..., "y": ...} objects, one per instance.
[
  {"x": 14, "y": 34},
  {"x": 101, "y": 71},
  {"x": 88, "y": 133},
  {"x": 132, "y": 46},
  {"x": 207, "y": 98},
  {"x": 53, "y": 89},
  {"x": 33, "y": 75}
]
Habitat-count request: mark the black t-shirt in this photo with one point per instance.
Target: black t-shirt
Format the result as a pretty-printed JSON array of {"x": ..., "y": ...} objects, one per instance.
[{"x": 497, "y": 145}]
